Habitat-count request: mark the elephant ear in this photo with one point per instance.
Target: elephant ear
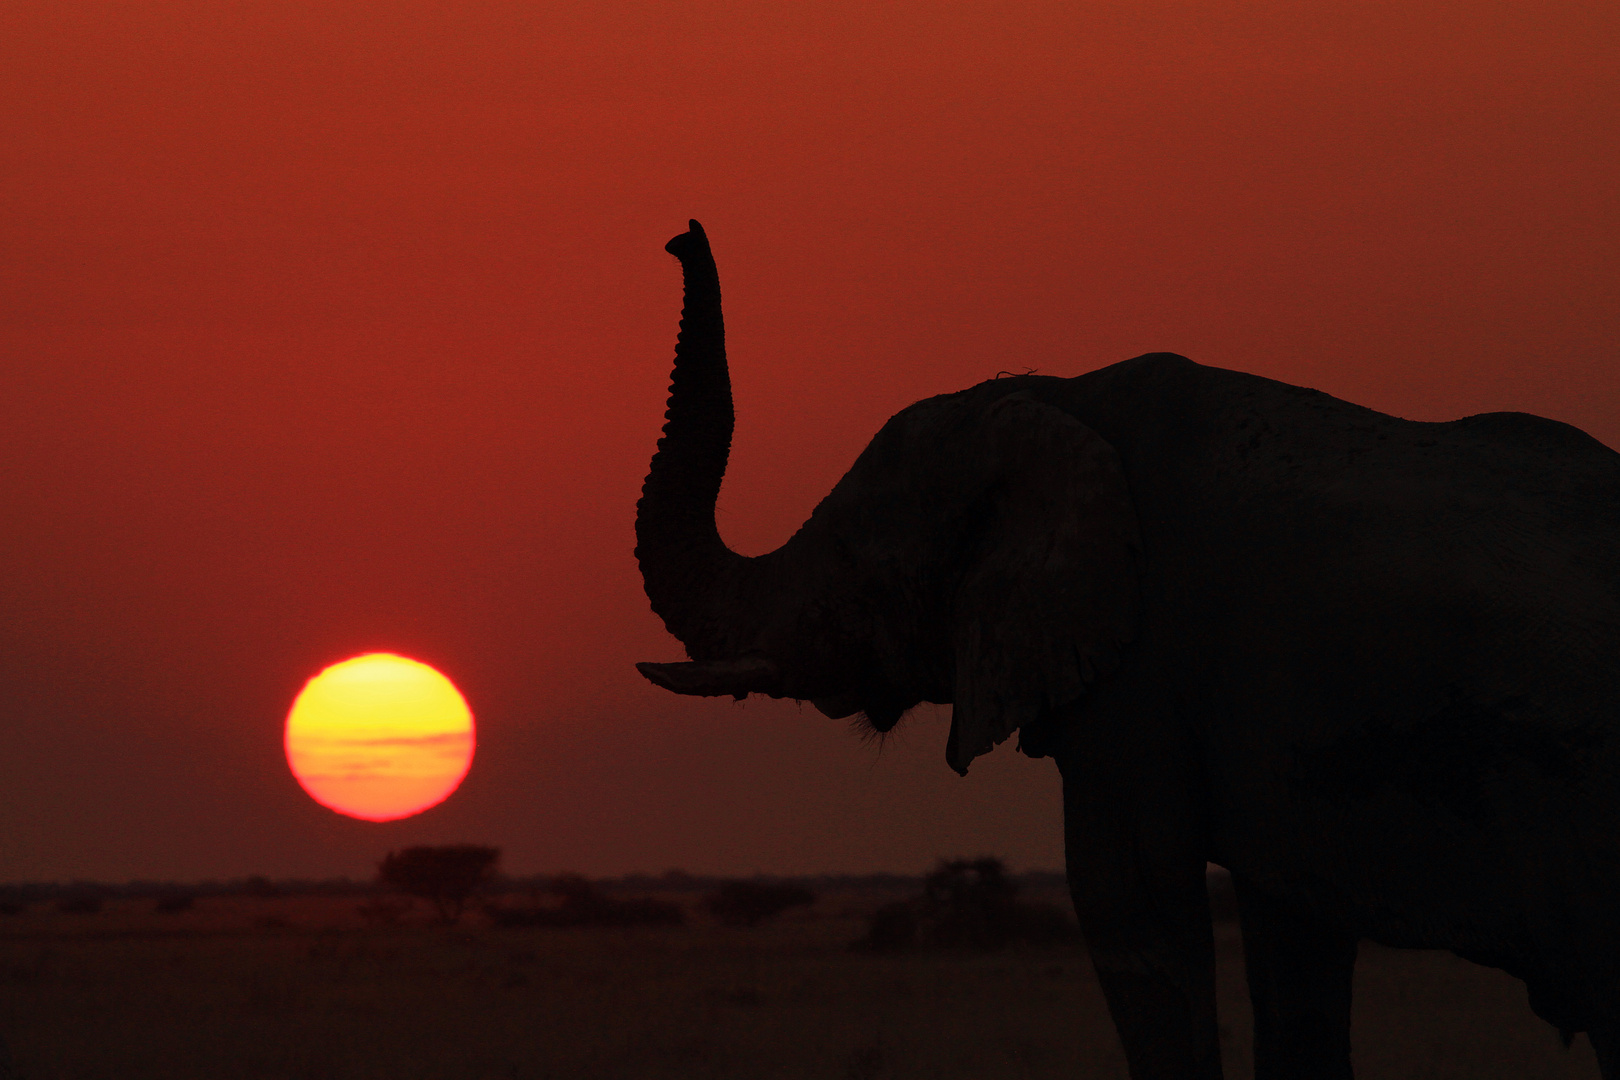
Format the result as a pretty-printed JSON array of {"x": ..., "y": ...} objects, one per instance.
[{"x": 1050, "y": 593}]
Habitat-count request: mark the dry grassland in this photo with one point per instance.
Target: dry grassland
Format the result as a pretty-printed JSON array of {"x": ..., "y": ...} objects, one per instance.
[{"x": 299, "y": 988}]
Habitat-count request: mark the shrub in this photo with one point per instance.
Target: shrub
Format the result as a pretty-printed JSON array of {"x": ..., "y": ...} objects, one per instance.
[
  {"x": 174, "y": 903},
  {"x": 79, "y": 905},
  {"x": 893, "y": 928},
  {"x": 448, "y": 876},
  {"x": 967, "y": 904},
  {"x": 579, "y": 903},
  {"x": 1043, "y": 924},
  {"x": 749, "y": 903},
  {"x": 971, "y": 903},
  {"x": 261, "y": 887},
  {"x": 382, "y": 911}
]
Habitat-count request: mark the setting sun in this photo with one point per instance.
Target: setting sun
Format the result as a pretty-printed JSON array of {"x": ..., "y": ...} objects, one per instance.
[{"x": 379, "y": 737}]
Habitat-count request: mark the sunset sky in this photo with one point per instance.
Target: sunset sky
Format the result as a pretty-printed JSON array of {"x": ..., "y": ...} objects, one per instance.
[{"x": 334, "y": 328}]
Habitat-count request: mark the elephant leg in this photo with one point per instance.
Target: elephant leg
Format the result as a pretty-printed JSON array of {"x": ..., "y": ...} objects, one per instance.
[
  {"x": 1144, "y": 910},
  {"x": 1300, "y": 975},
  {"x": 1606, "y": 1046},
  {"x": 1604, "y": 1031}
]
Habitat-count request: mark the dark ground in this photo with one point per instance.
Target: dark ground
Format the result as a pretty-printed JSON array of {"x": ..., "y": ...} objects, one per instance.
[{"x": 301, "y": 987}]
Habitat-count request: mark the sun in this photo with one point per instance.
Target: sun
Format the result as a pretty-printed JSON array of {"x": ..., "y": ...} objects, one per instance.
[{"x": 379, "y": 737}]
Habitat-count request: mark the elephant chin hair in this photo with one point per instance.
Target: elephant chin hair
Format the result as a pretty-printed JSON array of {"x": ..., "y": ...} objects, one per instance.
[
  {"x": 870, "y": 735},
  {"x": 881, "y": 721}
]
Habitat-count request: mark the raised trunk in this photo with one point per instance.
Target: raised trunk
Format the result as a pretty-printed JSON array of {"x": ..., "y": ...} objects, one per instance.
[{"x": 688, "y": 571}]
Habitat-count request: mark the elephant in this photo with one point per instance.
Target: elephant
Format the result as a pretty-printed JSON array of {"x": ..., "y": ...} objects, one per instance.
[{"x": 1369, "y": 665}]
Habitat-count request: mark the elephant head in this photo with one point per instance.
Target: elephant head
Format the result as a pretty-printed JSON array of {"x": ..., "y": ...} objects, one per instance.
[{"x": 980, "y": 552}]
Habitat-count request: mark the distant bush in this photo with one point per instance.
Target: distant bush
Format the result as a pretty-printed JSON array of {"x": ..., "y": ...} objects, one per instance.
[
  {"x": 1041, "y": 923},
  {"x": 382, "y": 911},
  {"x": 969, "y": 904},
  {"x": 79, "y": 905},
  {"x": 12, "y": 907},
  {"x": 448, "y": 876},
  {"x": 579, "y": 903},
  {"x": 261, "y": 887},
  {"x": 749, "y": 903},
  {"x": 174, "y": 903},
  {"x": 893, "y": 928}
]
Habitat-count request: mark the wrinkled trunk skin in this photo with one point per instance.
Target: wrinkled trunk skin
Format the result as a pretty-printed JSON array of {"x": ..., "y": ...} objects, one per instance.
[{"x": 693, "y": 580}]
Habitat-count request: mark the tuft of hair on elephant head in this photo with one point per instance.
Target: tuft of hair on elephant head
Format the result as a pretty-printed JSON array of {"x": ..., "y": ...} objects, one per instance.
[{"x": 1369, "y": 665}]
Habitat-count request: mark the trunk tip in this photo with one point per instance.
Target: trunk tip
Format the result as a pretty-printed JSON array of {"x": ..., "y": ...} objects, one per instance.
[{"x": 691, "y": 242}]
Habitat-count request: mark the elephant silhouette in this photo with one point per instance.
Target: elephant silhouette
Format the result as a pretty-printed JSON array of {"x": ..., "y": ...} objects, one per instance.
[{"x": 1369, "y": 665}]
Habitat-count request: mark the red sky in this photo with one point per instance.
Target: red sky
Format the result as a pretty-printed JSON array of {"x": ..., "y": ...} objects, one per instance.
[{"x": 337, "y": 328}]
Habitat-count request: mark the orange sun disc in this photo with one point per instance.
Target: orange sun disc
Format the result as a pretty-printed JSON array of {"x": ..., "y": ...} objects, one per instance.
[{"x": 379, "y": 737}]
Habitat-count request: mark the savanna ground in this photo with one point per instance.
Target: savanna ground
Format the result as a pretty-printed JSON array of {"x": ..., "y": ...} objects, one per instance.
[{"x": 301, "y": 988}]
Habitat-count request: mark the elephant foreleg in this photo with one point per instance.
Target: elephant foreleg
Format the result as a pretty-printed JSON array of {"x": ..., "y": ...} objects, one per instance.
[
  {"x": 1144, "y": 911},
  {"x": 1605, "y": 1035},
  {"x": 1300, "y": 975}
]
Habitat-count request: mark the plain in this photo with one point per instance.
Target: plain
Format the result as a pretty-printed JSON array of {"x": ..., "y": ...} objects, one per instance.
[{"x": 300, "y": 987}]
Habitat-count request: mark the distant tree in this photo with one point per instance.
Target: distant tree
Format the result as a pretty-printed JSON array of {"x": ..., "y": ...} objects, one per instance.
[
  {"x": 447, "y": 876},
  {"x": 749, "y": 903}
]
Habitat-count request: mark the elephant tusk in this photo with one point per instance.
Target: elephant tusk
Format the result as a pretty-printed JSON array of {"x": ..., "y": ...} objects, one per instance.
[{"x": 717, "y": 678}]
